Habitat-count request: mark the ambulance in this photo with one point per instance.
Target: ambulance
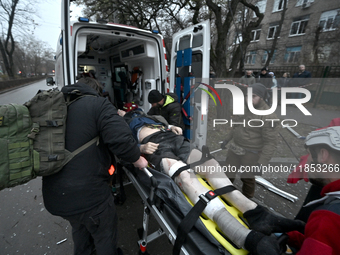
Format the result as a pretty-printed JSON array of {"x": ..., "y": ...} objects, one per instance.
[{"x": 130, "y": 62}]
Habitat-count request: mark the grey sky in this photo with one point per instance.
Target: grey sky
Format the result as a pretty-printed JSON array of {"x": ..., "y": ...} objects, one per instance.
[{"x": 49, "y": 21}]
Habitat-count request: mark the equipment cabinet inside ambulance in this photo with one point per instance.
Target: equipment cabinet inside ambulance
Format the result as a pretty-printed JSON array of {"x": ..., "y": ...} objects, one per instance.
[{"x": 129, "y": 62}]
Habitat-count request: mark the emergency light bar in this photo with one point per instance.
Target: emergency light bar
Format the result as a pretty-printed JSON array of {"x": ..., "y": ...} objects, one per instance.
[{"x": 83, "y": 19}]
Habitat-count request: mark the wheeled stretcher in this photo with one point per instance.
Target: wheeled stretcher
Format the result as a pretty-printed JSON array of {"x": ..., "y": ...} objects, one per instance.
[{"x": 166, "y": 202}]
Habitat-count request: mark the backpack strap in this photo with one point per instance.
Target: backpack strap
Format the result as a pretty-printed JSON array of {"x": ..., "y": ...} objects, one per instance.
[
  {"x": 190, "y": 219},
  {"x": 81, "y": 148}
]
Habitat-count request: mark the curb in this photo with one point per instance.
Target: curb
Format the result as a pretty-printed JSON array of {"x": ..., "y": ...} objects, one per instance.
[{"x": 19, "y": 86}]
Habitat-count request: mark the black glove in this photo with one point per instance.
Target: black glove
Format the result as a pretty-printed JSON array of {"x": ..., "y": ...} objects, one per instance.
[
  {"x": 262, "y": 220},
  {"x": 224, "y": 144},
  {"x": 259, "y": 244}
]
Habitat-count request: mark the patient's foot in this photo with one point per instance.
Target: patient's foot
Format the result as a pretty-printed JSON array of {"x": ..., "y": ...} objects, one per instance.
[{"x": 262, "y": 220}]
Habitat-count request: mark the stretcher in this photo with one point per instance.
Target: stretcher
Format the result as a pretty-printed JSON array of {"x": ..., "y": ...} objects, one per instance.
[{"x": 165, "y": 201}]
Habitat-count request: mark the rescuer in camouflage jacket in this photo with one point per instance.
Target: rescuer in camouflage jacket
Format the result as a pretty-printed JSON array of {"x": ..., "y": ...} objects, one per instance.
[{"x": 252, "y": 141}]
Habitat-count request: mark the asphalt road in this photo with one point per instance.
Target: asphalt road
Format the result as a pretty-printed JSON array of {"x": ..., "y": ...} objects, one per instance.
[{"x": 26, "y": 228}]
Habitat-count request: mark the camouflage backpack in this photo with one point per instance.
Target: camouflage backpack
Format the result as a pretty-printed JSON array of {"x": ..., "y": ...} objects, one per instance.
[{"x": 32, "y": 138}]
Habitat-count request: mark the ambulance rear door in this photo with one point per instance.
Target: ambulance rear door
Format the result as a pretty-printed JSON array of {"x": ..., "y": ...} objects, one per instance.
[
  {"x": 65, "y": 41},
  {"x": 189, "y": 71}
]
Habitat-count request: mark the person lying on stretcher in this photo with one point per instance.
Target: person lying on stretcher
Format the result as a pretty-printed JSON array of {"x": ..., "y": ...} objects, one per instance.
[{"x": 167, "y": 150}]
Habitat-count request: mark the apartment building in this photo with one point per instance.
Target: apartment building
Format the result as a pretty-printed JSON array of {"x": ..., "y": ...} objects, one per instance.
[{"x": 310, "y": 34}]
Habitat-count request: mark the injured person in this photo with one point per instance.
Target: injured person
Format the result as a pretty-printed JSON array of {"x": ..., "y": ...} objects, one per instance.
[{"x": 167, "y": 150}]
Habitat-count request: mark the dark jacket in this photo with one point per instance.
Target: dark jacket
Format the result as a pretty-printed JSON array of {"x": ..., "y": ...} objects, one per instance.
[
  {"x": 171, "y": 110},
  {"x": 83, "y": 183},
  {"x": 300, "y": 79},
  {"x": 265, "y": 79}
]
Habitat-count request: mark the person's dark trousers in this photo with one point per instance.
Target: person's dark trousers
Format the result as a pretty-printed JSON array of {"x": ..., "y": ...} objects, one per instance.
[
  {"x": 248, "y": 178},
  {"x": 313, "y": 194},
  {"x": 96, "y": 230}
]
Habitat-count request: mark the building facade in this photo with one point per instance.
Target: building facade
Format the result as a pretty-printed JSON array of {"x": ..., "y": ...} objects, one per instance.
[{"x": 310, "y": 34}]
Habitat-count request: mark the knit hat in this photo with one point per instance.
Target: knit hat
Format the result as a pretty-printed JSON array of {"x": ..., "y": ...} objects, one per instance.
[
  {"x": 154, "y": 96},
  {"x": 264, "y": 68},
  {"x": 259, "y": 90}
]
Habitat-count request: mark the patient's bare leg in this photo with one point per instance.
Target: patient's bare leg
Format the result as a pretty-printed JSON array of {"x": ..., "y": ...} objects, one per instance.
[
  {"x": 215, "y": 209},
  {"x": 211, "y": 170}
]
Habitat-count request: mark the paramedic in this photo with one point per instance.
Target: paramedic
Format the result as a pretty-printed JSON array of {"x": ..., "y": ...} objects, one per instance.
[
  {"x": 251, "y": 146},
  {"x": 80, "y": 192},
  {"x": 321, "y": 236},
  {"x": 166, "y": 106},
  {"x": 166, "y": 149},
  {"x": 299, "y": 173}
]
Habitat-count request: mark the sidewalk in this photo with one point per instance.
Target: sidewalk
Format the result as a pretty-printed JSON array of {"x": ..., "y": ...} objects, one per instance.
[{"x": 319, "y": 117}]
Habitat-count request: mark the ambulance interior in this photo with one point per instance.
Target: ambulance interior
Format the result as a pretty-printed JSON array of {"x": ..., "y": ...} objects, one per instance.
[{"x": 127, "y": 65}]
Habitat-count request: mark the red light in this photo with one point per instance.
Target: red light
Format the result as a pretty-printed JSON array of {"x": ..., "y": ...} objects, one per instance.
[{"x": 112, "y": 170}]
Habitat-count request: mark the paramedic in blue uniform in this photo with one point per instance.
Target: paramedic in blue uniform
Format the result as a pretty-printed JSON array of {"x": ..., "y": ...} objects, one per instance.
[
  {"x": 166, "y": 106},
  {"x": 167, "y": 150},
  {"x": 80, "y": 192}
]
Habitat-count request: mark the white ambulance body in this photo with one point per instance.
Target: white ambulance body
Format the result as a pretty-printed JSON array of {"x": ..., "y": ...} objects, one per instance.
[{"x": 114, "y": 52}]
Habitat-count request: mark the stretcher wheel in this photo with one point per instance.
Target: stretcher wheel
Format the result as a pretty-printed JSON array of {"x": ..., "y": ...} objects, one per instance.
[{"x": 142, "y": 249}]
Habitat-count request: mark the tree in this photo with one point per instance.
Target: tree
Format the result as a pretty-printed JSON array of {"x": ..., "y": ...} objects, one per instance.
[
  {"x": 12, "y": 13},
  {"x": 277, "y": 33},
  {"x": 33, "y": 56}
]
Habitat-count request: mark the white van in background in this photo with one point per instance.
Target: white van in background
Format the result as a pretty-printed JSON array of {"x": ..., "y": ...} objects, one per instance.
[{"x": 129, "y": 62}]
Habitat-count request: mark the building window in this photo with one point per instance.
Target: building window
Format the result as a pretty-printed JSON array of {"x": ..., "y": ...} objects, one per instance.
[
  {"x": 292, "y": 54},
  {"x": 255, "y": 35},
  {"x": 265, "y": 57},
  {"x": 298, "y": 27},
  {"x": 278, "y": 5},
  {"x": 330, "y": 20},
  {"x": 304, "y": 2},
  {"x": 261, "y": 5},
  {"x": 250, "y": 58},
  {"x": 272, "y": 31}
]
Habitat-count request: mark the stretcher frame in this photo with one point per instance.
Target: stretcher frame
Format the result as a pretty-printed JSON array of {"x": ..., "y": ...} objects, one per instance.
[{"x": 150, "y": 207}]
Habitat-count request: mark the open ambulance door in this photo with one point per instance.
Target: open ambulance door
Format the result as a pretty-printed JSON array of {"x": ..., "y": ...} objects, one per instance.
[
  {"x": 189, "y": 71},
  {"x": 67, "y": 64}
]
